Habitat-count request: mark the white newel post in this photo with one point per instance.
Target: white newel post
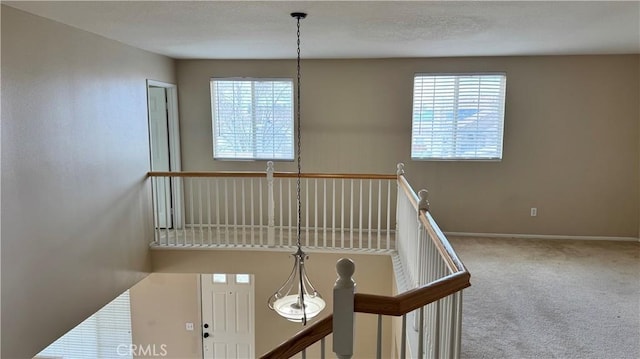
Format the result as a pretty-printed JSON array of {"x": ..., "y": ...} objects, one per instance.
[
  {"x": 343, "y": 316},
  {"x": 271, "y": 230},
  {"x": 423, "y": 204}
]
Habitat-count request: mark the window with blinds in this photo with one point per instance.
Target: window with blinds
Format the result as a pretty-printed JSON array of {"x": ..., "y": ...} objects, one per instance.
[
  {"x": 252, "y": 119},
  {"x": 105, "y": 334},
  {"x": 458, "y": 116}
]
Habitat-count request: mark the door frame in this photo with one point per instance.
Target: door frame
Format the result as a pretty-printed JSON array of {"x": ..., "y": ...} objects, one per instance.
[{"x": 174, "y": 146}]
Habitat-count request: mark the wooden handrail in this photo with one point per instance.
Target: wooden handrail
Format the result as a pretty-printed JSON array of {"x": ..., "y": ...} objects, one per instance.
[
  {"x": 413, "y": 299},
  {"x": 275, "y": 174},
  {"x": 408, "y": 190},
  {"x": 397, "y": 305},
  {"x": 336, "y": 175},
  {"x": 304, "y": 339},
  {"x": 444, "y": 247},
  {"x": 208, "y": 174}
]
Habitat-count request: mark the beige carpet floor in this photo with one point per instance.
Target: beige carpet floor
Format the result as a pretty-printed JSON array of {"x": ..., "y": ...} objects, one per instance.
[{"x": 550, "y": 298}]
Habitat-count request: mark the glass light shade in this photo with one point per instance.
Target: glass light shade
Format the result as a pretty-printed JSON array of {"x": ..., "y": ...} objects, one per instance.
[
  {"x": 297, "y": 290},
  {"x": 289, "y": 308}
]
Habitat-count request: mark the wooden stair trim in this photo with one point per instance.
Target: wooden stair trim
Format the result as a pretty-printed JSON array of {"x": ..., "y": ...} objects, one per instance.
[
  {"x": 302, "y": 340},
  {"x": 374, "y": 304}
]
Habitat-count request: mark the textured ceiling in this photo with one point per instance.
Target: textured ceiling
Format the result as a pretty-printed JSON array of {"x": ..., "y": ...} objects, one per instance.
[{"x": 356, "y": 29}]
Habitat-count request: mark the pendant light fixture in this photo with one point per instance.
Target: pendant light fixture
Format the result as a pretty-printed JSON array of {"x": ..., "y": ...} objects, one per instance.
[{"x": 297, "y": 300}]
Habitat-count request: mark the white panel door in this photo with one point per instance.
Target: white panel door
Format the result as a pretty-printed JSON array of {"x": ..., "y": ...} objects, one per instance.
[
  {"x": 160, "y": 153},
  {"x": 228, "y": 324}
]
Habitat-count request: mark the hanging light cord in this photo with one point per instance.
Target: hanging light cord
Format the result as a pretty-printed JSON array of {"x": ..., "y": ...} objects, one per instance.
[
  {"x": 299, "y": 130},
  {"x": 299, "y": 253}
]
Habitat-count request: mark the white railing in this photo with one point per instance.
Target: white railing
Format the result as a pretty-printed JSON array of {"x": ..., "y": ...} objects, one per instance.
[
  {"x": 426, "y": 256},
  {"x": 431, "y": 278},
  {"x": 259, "y": 209}
]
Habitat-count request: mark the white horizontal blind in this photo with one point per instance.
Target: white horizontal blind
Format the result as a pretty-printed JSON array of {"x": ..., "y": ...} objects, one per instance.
[
  {"x": 105, "y": 334},
  {"x": 252, "y": 119},
  {"x": 458, "y": 116}
]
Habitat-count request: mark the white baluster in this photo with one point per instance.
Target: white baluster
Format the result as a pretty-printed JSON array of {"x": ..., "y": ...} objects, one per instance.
[
  {"x": 243, "y": 216},
  {"x": 209, "y": 229},
  {"x": 260, "y": 219},
  {"x": 342, "y": 213},
  {"x": 450, "y": 325},
  {"x": 351, "y": 215},
  {"x": 458, "y": 324},
  {"x": 423, "y": 240},
  {"x": 235, "y": 213},
  {"x": 420, "y": 256},
  {"x": 403, "y": 336},
  {"x": 192, "y": 214},
  {"x": 290, "y": 214},
  {"x": 281, "y": 205},
  {"x": 421, "y": 333},
  {"x": 167, "y": 208},
  {"x": 306, "y": 212},
  {"x": 379, "y": 210},
  {"x": 200, "y": 211},
  {"x": 315, "y": 212},
  {"x": 217, "y": 202},
  {"x": 343, "y": 316},
  {"x": 360, "y": 218},
  {"x": 333, "y": 215},
  {"x": 271, "y": 230},
  {"x": 379, "y": 338},
  {"x": 156, "y": 208},
  {"x": 252, "y": 205},
  {"x": 324, "y": 213},
  {"x": 226, "y": 211},
  {"x": 399, "y": 172},
  {"x": 370, "y": 210},
  {"x": 388, "y": 214},
  {"x": 436, "y": 331}
]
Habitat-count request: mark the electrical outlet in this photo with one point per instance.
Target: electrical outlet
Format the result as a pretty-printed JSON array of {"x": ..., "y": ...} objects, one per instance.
[
  {"x": 534, "y": 211},
  {"x": 189, "y": 326}
]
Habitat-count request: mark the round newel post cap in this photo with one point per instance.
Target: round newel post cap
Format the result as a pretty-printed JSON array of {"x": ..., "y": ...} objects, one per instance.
[
  {"x": 345, "y": 268},
  {"x": 423, "y": 204},
  {"x": 400, "y": 169}
]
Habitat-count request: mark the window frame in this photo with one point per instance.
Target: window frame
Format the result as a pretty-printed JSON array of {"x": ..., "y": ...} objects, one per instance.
[
  {"x": 254, "y": 158},
  {"x": 502, "y": 110}
]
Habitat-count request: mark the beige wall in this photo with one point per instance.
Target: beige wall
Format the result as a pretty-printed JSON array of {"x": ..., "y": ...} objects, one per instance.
[
  {"x": 75, "y": 206},
  {"x": 373, "y": 275},
  {"x": 570, "y": 148},
  {"x": 161, "y": 305}
]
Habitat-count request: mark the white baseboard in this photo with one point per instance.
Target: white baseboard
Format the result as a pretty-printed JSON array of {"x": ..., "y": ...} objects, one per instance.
[{"x": 542, "y": 236}]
